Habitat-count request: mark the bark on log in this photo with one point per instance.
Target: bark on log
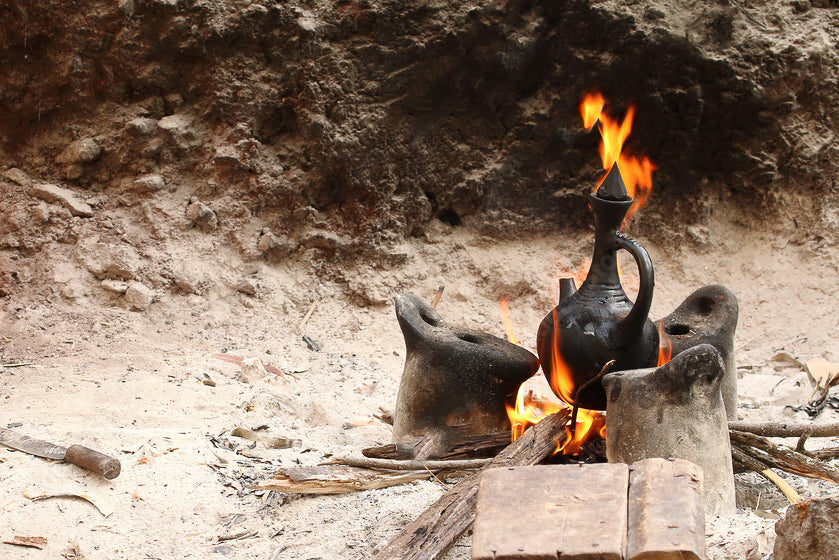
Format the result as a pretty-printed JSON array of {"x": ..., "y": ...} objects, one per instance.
[
  {"x": 430, "y": 535},
  {"x": 785, "y": 458},
  {"x": 785, "y": 429},
  {"x": 466, "y": 447}
]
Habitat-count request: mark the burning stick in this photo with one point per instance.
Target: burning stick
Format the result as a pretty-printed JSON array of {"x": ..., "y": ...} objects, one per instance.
[{"x": 430, "y": 535}]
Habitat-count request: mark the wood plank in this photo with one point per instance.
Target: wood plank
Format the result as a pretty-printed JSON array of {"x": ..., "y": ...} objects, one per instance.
[
  {"x": 430, "y": 535},
  {"x": 552, "y": 511},
  {"x": 666, "y": 511}
]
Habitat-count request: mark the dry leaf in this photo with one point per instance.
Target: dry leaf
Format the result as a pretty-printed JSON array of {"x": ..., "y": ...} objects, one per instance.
[
  {"x": 823, "y": 373},
  {"x": 34, "y": 542},
  {"x": 786, "y": 358}
]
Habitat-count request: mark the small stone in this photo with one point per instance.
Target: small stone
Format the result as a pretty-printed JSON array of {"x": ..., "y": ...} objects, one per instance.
[
  {"x": 178, "y": 122},
  {"x": 247, "y": 286},
  {"x": 808, "y": 531},
  {"x": 174, "y": 101},
  {"x": 108, "y": 261},
  {"x": 188, "y": 280},
  {"x": 115, "y": 286},
  {"x": 323, "y": 239},
  {"x": 142, "y": 126},
  {"x": 15, "y": 175},
  {"x": 202, "y": 216},
  {"x": 150, "y": 183},
  {"x": 73, "y": 171},
  {"x": 63, "y": 197},
  {"x": 139, "y": 296},
  {"x": 275, "y": 247},
  {"x": 80, "y": 151},
  {"x": 227, "y": 154}
]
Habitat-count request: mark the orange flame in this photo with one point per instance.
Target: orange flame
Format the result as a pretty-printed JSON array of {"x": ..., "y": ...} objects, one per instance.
[
  {"x": 637, "y": 173},
  {"x": 529, "y": 410},
  {"x": 508, "y": 322},
  {"x": 665, "y": 347},
  {"x": 591, "y": 107},
  {"x": 589, "y": 422}
]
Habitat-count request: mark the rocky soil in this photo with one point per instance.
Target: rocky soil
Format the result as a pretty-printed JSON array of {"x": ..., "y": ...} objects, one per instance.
[{"x": 187, "y": 177}]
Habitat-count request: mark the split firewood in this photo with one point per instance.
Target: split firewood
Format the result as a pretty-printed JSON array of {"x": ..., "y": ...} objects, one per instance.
[
  {"x": 783, "y": 457},
  {"x": 743, "y": 458},
  {"x": 401, "y": 465},
  {"x": 334, "y": 479},
  {"x": 430, "y": 535},
  {"x": 466, "y": 447},
  {"x": 826, "y": 453},
  {"x": 785, "y": 429}
]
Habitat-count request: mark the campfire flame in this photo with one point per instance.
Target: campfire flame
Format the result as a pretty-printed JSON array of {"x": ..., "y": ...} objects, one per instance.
[
  {"x": 508, "y": 322},
  {"x": 531, "y": 408},
  {"x": 665, "y": 347},
  {"x": 637, "y": 172}
]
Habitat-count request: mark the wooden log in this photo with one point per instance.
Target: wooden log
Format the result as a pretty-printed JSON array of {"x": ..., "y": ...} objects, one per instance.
[
  {"x": 397, "y": 465},
  {"x": 785, "y": 429},
  {"x": 786, "y": 458},
  {"x": 666, "y": 511},
  {"x": 431, "y": 534},
  {"x": 574, "y": 512},
  {"x": 334, "y": 479},
  {"x": 466, "y": 447}
]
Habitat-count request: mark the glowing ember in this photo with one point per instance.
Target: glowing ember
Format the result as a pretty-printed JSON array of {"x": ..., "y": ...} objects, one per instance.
[
  {"x": 665, "y": 348},
  {"x": 637, "y": 173}
]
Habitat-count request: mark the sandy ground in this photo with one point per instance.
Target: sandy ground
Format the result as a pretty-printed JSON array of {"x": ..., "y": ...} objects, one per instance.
[{"x": 130, "y": 384}]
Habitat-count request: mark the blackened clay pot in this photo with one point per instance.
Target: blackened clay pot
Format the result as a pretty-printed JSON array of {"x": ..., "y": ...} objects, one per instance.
[
  {"x": 707, "y": 316},
  {"x": 455, "y": 378},
  {"x": 675, "y": 411}
]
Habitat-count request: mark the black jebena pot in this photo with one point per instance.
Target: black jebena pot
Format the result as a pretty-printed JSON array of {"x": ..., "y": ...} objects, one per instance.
[{"x": 598, "y": 322}]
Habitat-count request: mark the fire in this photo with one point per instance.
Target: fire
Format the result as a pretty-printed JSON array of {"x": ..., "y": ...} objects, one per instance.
[
  {"x": 508, "y": 322},
  {"x": 589, "y": 422},
  {"x": 665, "y": 347},
  {"x": 637, "y": 173},
  {"x": 531, "y": 408}
]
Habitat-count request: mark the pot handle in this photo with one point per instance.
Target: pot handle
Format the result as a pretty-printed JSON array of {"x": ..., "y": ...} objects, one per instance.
[{"x": 637, "y": 316}]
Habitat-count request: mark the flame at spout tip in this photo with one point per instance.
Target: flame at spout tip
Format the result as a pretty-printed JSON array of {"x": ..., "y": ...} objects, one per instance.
[{"x": 637, "y": 172}]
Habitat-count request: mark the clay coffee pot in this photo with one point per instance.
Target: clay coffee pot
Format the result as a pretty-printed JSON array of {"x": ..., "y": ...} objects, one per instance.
[{"x": 598, "y": 322}]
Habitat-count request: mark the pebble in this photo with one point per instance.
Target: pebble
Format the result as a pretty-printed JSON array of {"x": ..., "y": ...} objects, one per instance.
[
  {"x": 115, "y": 286},
  {"x": 142, "y": 126},
  {"x": 150, "y": 183},
  {"x": 202, "y": 216},
  {"x": 139, "y": 296},
  {"x": 15, "y": 175},
  {"x": 80, "y": 151},
  {"x": 247, "y": 286},
  {"x": 63, "y": 197},
  {"x": 174, "y": 123},
  {"x": 275, "y": 247}
]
